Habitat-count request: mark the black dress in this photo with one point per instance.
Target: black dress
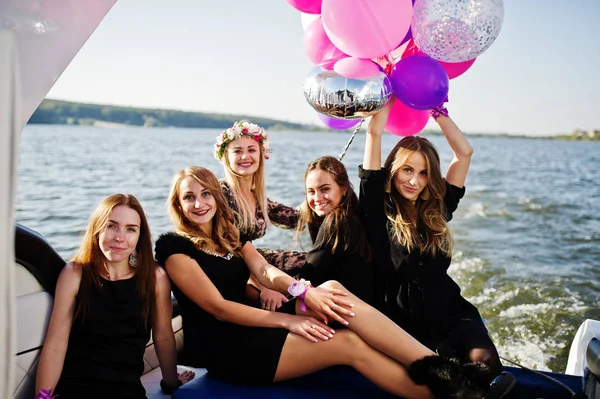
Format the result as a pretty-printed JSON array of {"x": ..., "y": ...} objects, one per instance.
[
  {"x": 106, "y": 348},
  {"x": 230, "y": 352},
  {"x": 344, "y": 265},
  {"x": 414, "y": 289}
]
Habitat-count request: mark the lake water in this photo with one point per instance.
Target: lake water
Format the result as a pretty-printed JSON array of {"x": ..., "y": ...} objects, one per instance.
[{"x": 527, "y": 232}]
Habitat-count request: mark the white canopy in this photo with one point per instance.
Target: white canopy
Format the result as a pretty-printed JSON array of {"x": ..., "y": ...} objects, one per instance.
[{"x": 38, "y": 40}]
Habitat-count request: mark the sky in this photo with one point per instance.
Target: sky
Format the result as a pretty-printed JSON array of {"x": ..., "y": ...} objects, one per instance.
[{"x": 540, "y": 76}]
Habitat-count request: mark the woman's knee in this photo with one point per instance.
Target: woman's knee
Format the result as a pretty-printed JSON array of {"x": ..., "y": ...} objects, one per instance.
[
  {"x": 352, "y": 345},
  {"x": 334, "y": 285}
]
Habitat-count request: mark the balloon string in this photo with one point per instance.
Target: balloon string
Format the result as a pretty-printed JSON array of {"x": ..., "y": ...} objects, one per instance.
[{"x": 356, "y": 129}]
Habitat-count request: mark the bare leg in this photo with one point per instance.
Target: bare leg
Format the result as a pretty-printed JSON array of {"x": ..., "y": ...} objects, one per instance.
[
  {"x": 378, "y": 331},
  {"x": 300, "y": 357}
]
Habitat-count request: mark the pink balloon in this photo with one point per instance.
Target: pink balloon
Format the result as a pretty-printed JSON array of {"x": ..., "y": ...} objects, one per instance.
[
  {"x": 307, "y": 6},
  {"x": 317, "y": 45},
  {"x": 406, "y": 121},
  {"x": 453, "y": 69},
  {"x": 366, "y": 28},
  {"x": 356, "y": 68}
]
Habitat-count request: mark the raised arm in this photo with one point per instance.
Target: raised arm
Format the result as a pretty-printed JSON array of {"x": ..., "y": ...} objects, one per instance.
[
  {"x": 372, "y": 157},
  {"x": 57, "y": 338},
  {"x": 459, "y": 167}
]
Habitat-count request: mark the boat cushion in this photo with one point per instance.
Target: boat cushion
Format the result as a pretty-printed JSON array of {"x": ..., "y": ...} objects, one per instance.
[
  {"x": 344, "y": 382},
  {"x": 33, "y": 252},
  {"x": 330, "y": 383}
]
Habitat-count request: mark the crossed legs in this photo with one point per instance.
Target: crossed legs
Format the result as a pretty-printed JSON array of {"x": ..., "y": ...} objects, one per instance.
[
  {"x": 375, "y": 346},
  {"x": 300, "y": 357}
]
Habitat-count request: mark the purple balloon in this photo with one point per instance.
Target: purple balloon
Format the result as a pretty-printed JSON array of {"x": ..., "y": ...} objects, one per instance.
[
  {"x": 420, "y": 82},
  {"x": 338, "y": 124}
]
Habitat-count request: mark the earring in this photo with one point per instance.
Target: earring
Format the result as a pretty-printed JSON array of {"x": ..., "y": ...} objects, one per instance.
[{"x": 133, "y": 259}]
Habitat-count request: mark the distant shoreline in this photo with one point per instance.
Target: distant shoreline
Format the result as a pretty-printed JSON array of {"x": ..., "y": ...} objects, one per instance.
[{"x": 58, "y": 112}]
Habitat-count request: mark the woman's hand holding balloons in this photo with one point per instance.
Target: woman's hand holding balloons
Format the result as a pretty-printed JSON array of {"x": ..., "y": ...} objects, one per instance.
[{"x": 379, "y": 120}]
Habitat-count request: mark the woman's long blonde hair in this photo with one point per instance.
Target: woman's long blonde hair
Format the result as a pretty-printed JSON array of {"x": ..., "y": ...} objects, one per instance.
[
  {"x": 247, "y": 220},
  {"x": 225, "y": 236},
  {"x": 422, "y": 225},
  {"x": 91, "y": 260}
]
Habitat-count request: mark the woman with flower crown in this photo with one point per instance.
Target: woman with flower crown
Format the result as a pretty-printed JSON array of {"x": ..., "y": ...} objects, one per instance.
[
  {"x": 209, "y": 262},
  {"x": 108, "y": 299},
  {"x": 242, "y": 149}
]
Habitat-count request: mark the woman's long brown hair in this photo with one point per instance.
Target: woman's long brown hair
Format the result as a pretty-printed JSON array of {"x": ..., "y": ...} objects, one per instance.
[
  {"x": 340, "y": 224},
  {"x": 91, "y": 260},
  {"x": 426, "y": 216},
  {"x": 225, "y": 236}
]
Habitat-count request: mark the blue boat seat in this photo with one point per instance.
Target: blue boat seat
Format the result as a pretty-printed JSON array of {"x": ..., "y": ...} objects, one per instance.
[
  {"x": 344, "y": 382},
  {"x": 334, "y": 382}
]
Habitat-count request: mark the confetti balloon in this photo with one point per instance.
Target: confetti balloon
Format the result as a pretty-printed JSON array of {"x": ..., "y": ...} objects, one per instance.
[{"x": 456, "y": 30}]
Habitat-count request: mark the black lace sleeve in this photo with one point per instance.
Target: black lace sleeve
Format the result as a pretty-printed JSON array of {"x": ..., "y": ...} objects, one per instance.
[
  {"x": 228, "y": 194},
  {"x": 170, "y": 244},
  {"x": 282, "y": 216},
  {"x": 452, "y": 198}
]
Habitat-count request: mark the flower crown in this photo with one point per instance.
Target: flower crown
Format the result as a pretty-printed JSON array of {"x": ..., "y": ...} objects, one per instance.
[{"x": 239, "y": 129}]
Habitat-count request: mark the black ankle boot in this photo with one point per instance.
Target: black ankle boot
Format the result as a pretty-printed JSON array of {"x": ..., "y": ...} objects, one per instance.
[{"x": 448, "y": 378}]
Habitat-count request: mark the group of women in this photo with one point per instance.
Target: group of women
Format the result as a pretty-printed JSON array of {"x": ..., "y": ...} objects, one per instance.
[{"x": 372, "y": 293}]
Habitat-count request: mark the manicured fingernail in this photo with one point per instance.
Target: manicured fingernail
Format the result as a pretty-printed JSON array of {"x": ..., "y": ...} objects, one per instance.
[
  {"x": 346, "y": 322},
  {"x": 330, "y": 335},
  {"x": 351, "y": 305},
  {"x": 326, "y": 338},
  {"x": 352, "y": 314},
  {"x": 315, "y": 341}
]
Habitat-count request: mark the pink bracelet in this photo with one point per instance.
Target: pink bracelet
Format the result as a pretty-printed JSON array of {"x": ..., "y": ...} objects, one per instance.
[
  {"x": 45, "y": 394},
  {"x": 298, "y": 289}
]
